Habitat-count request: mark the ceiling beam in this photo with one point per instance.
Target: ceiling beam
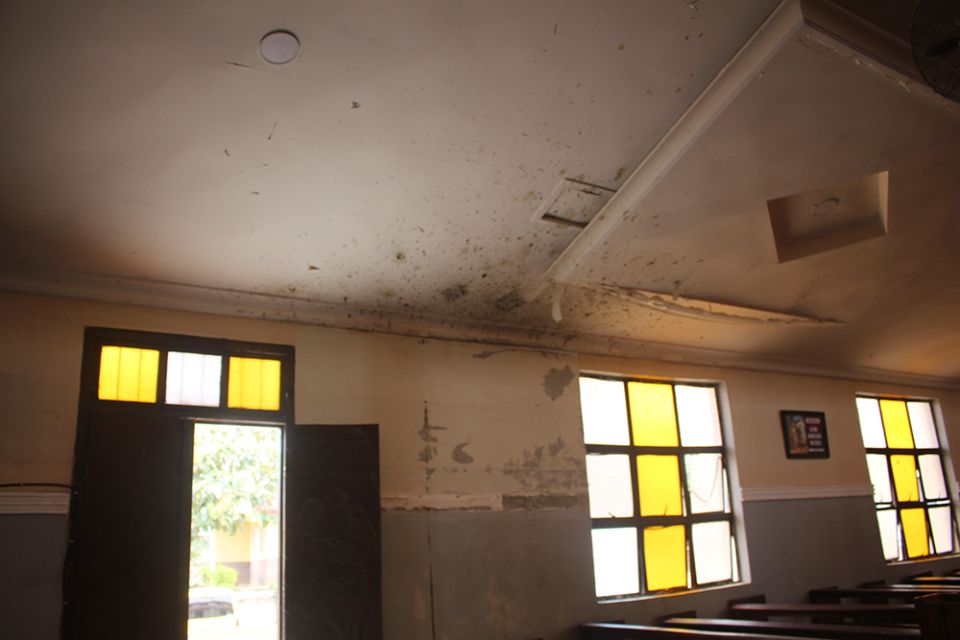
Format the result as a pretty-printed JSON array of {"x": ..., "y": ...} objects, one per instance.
[{"x": 778, "y": 28}]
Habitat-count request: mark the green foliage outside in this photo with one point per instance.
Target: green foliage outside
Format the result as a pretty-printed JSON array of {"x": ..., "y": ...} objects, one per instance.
[
  {"x": 236, "y": 480},
  {"x": 236, "y": 477},
  {"x": 219, "y": 576}
]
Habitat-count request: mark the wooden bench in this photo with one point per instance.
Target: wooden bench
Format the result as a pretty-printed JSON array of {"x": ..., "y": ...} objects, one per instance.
[
  {"x": 876, "y": 593},
  {"x": 621, "y": 631},
  {"x": 939, "y": 581},
  {"x": 800, "y": 629},
  {"x": 939, "y": 616},
  {"x": 862, "y": 613}
]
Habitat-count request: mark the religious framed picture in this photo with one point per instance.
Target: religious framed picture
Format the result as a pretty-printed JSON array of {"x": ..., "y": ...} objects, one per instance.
[{"x": 805, "y": 434}]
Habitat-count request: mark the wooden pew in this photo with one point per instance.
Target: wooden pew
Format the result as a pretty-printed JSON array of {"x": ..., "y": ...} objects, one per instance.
[
  {"x": 879, "y": 593},
  {"x": 621, "y": 631},
  {"x": 937, "y": 581},
  {"x": 800, "y": 629},
  {"x": 912, "y": 576},
  {"x": 939, "y": 616},
  {"x": 870, "y": 614}
]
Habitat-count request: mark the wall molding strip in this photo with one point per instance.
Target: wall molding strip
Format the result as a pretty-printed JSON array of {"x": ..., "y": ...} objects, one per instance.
[
  {"x": 442, "y": 502},
  {"x": 34, "y": 503},
  {"x": 815, "y": 492}
]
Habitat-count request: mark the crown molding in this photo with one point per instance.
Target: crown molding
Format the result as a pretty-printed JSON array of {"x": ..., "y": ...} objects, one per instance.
[
  {"x": 36, "y": 280},
  {"x": 859, "y": 35}
]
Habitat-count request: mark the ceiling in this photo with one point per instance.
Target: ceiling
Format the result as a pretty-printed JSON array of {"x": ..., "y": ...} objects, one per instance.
[{"x": 391, "y": 176}]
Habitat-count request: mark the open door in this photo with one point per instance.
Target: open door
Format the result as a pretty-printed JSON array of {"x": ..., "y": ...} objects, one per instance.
[
  {"x": 332, "y": 573},
  {"x": 131, "y": 529}
]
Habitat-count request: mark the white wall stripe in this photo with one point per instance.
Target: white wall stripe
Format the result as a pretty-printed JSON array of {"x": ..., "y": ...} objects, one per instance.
[
  {"x": 34, "y": 502},
  {"x": 813, "y": 492},
  {"x": 58, "y": 503}
]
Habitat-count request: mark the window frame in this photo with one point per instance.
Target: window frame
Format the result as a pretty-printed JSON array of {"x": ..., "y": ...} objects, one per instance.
[
  {"x": 897, "y": 506},
  {"x": 96, "y": 337},
  {"x": 638, "y": 522}
]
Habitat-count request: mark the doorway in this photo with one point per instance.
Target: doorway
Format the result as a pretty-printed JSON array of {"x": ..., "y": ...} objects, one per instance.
[
  {"x": 235, "y": 532},
  {"x": 200, "y": 511}
]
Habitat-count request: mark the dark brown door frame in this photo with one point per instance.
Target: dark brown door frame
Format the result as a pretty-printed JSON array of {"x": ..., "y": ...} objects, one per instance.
[{"x": 179, "y": 418}]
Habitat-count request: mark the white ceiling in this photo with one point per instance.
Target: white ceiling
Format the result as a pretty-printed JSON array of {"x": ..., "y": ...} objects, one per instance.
[{"x": 393, "y": 171}]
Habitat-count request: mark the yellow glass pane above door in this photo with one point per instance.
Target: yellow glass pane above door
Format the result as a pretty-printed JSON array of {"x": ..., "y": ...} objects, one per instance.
[
  {"x": 128, "y": 374},
  {"x": 254, "y": 384}
]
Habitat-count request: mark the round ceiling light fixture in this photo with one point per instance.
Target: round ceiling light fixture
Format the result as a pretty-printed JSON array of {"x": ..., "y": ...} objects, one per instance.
[{"x": 279, "y": 46}]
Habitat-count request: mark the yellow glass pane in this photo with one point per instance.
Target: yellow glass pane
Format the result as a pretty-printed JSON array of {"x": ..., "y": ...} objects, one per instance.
[
  {"x": 905, "y": 478},
  {"x": 128, "y": 374},
  {"x": 665, "y": 557},
  {"x": 270, "y": 384},
  {"x": 109, "y": 373},
  {"x": 896, "y": 424},
  {"x": 652, "y": 414},
  {"x": 914, "y": 523},
  {"x": 254, "y": 384},
  {"x": 249, "y": 383},
  {"x": 658, "y": 481}
]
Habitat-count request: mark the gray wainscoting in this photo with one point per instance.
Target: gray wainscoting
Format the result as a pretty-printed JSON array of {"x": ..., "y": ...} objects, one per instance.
[
  {"x": 32, "y": 549},
  {"x": 514, "y": 574}
]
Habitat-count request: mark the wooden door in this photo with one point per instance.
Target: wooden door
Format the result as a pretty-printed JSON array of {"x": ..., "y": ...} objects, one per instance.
[
  {"x": 332, "y": 573},
  {"x": 131, "y": 530}
]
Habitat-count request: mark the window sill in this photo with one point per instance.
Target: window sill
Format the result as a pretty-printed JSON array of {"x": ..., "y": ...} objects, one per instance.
[
  {"x": 644, "y": 597},
  {"x": 901, "y": 563}
]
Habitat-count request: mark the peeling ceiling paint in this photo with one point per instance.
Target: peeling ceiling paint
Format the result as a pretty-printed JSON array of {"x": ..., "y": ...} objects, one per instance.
[{"x": 707, "y": 309}]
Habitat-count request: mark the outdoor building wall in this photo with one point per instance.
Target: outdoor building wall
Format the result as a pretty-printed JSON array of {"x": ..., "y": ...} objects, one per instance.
[
  {"x": 235, "y": 547},
  {"x": 486, "y": 531}
]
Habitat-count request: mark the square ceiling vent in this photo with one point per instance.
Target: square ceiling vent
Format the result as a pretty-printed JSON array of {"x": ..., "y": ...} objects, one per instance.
[
  {"x": 573, "y": 203},
  {"x": 829, "y": 218}
]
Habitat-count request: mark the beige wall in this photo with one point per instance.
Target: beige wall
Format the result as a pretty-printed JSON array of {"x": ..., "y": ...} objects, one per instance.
[
  {"x": 500, "y": 421},
  {"x": 235, "y": 547},
  {"x": 491, "y": 403},
  {"x": 482, "y": 467}
]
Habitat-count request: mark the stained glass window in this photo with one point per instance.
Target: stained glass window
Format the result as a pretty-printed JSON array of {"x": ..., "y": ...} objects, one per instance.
[
  {"x": 181, "y": 378},
  {"x": 658, "y": 487},
  {"x": 905, "y": 461}
]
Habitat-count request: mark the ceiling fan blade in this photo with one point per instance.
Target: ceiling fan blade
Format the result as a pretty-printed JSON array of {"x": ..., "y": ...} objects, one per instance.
[{"x": 943, "y": 48}]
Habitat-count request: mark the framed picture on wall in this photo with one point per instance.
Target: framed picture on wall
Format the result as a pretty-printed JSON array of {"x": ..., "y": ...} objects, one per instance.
[{"x": 805, "y": 434}]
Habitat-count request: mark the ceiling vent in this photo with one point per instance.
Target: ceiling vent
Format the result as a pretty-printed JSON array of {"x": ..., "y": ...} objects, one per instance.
[
  {"x": 573, "y": 203},
  {"x": 935, "y": 40},
  {"x": 824, "y": 219}
]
